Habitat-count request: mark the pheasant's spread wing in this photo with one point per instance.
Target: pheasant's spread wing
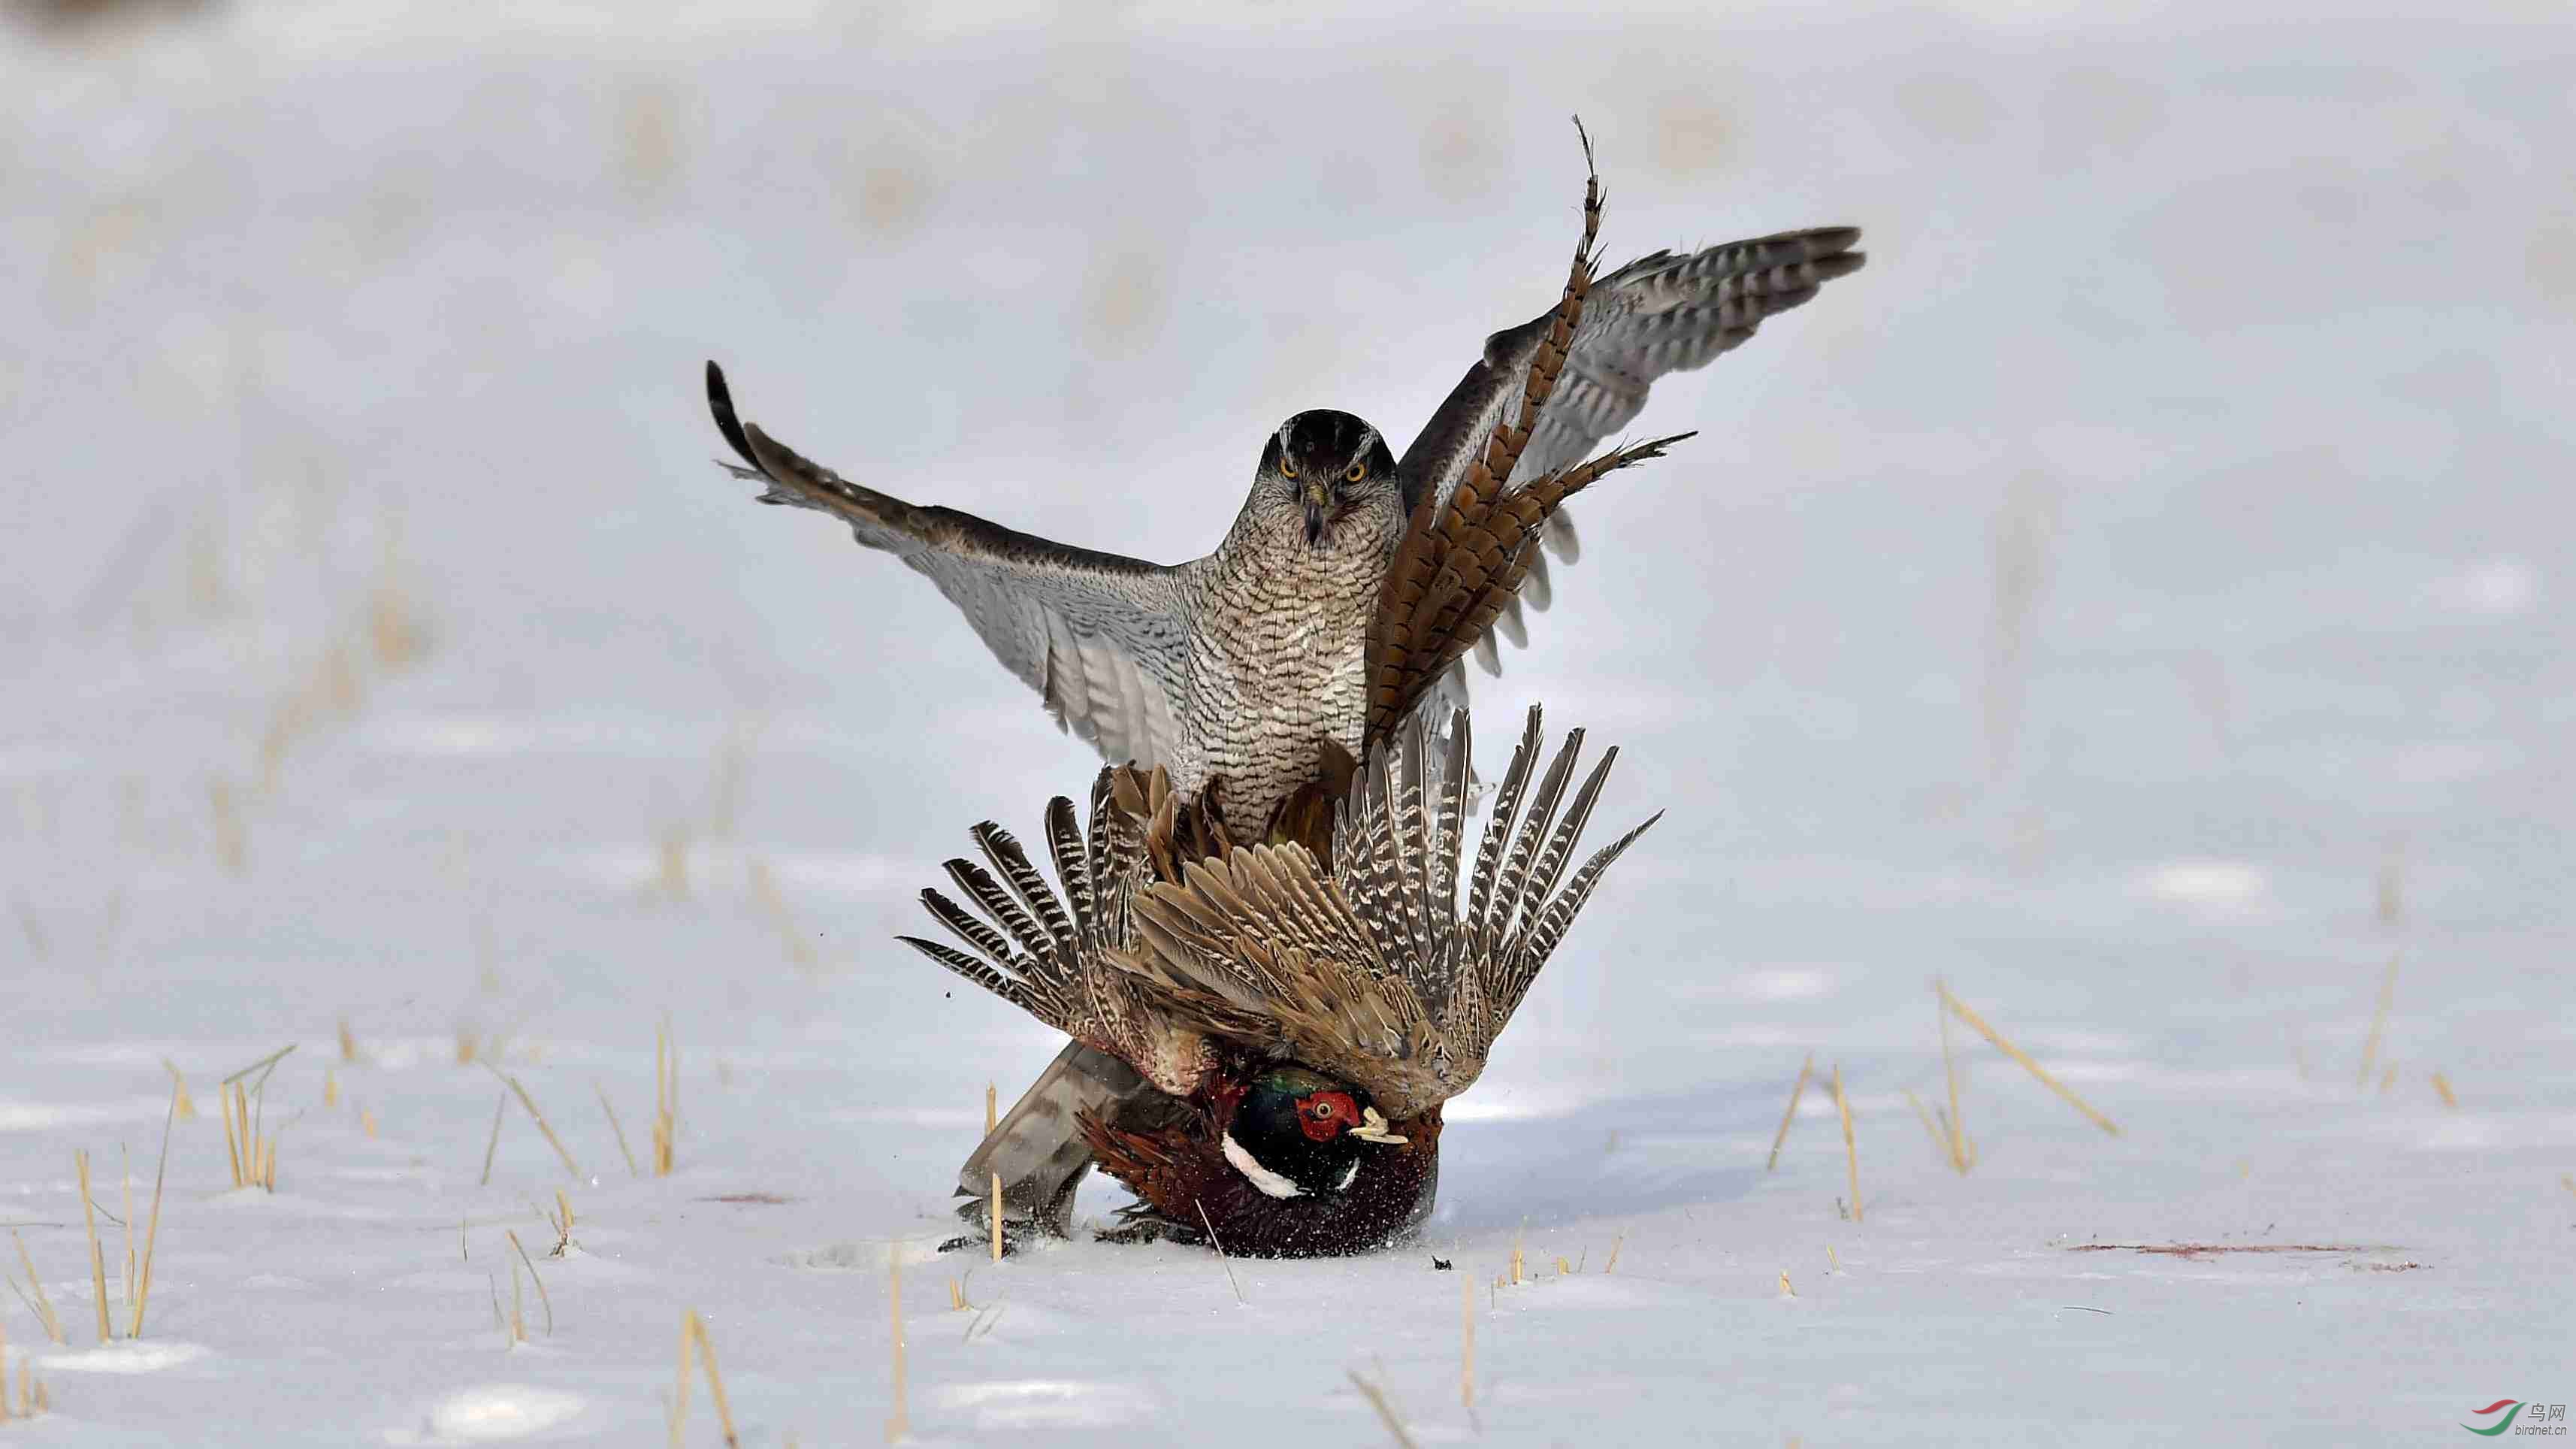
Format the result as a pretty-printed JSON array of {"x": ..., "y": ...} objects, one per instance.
[
  {"x": 1047, "y": 950},
  {"x": 1660, "y": 314},
  {"x": 1101, "y": 637},
  {"x": 1372, "y": 971}
]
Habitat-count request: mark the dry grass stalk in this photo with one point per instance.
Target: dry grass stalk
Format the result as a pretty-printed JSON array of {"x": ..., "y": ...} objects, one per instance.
[
  {"x": 232, "y": 844},
  {"x": 492, "y": 1143},
  {"x": 97, "y": 1262},
  {"x": 1851, "y": 1152},
  {"x": 997, "y": 1217},
  {"x": 764, "y": 892},
  {"x": 125, "y": 1166},
  {"x": 570, "y": 1167},
  {"x": 1951, "y": 1140},
  {"x": 254, "y": 1157},
  {"x": 1806, "y": 1069},
  {"x": 36, "y": 1286},
  {"x": 1832, "y": 1263},
  {"x": 666, "y": 1099},
  {"x": 367, "y": 1121},
  {"x": 956, "y": 1297},
  {"x": 1516, "y": 1260},
  {"x": 1785, "y": 1290},
  {"x": 672, "y": 878},
  {"x": 466, "y": 1047},
  {"x": 619, "y": 1128},
  {"x": 263, "y": 1066},
  {"x": 715, "y": 1381},
  {"x": 1385, "y": 1410},
  {"x": 562, "y": 1224},
  {"x": 991, "y": 1103},
  {"x": 544, "y": 1298},
  {"x": 1962, "y": 1156},
  {"x": 232, "y": 1137},
  {"x": 39, "y": 944},
  {"x": 2391, "y": 886},
  {"x": 2032, "y": 1067},
  {"x": 187, "y": 1107},
  {"x": 152, "y": 1234},
  {"x": 2378, "y": 1024},
  {"x": 1222, "y": 1260},
  {"x": 1923, "y": 1115},
  {"x": 518, "y": 1304},
  {"x": 688, "y": 1371},
  {"x": 2388, "y": 1078},
  {"x": 1615, "y": 1244},
  {"x": 336, "y": 681},
  {"x": 330, "y": 1089},
  {"x": 348, "y": 1042},
  {"x": 394, "y": 634},
  {"x": 2442, "y": 1084},
  {"x": 1466, "y": 1341},
  {"x": 899, "y": 1423}
]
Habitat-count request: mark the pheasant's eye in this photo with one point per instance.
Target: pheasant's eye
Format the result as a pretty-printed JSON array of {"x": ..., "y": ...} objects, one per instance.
[
  {"x": 1358, "y": 471},
  {"x": 1323, "y": 1111},
  {"x": 1286, "y": 468}
]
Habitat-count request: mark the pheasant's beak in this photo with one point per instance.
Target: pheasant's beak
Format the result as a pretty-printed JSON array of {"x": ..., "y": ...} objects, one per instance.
[
  {"x": 1319, "y": 502},
  {"x": 1372, "y": 1128}
]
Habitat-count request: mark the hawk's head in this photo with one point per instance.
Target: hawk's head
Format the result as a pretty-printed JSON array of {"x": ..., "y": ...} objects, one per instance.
[{"x": 1330, "y": 467}]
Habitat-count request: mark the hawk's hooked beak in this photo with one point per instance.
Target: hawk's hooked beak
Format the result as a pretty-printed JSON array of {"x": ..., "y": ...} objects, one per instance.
[
  {"x": 1372, "y": 1128},
  {"x": 1319, "y": 501}
]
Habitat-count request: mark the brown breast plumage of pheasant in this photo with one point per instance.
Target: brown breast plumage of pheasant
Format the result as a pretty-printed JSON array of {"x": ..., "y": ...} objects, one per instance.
[{"x": 1296, "y": 1026}]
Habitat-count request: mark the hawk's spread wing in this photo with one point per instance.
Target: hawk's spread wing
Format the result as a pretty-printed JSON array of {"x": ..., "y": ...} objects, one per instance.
[
  {"x": 1659, "y": 314},
  {"x": 1100, "y": 636}
]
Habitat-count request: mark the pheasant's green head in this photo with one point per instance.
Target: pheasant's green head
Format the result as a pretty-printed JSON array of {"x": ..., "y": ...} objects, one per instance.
[{"x": 1299, "y": 1133}]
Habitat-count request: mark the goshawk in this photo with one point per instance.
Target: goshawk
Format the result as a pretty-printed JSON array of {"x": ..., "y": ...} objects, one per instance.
[{"x": 1241, "y": 665}]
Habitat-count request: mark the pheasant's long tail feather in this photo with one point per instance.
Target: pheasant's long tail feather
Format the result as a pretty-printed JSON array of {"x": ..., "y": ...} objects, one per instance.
[
  {"x": 1402, "y": 643},
  {"x": 1499, "y": 821}
]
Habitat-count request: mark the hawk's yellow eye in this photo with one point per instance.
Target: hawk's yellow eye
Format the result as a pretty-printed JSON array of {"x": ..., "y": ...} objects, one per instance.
[
  {"x": 1358, "y": 471},
  {"x": 1286, "y": 468}
]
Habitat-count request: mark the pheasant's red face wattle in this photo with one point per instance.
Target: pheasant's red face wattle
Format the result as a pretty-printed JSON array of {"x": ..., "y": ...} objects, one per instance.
[{"x": 1327, "y": 1115}]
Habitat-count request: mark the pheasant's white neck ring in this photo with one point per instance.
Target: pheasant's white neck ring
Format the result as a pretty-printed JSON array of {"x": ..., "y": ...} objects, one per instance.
[{"x": 1270, "y": 1183}]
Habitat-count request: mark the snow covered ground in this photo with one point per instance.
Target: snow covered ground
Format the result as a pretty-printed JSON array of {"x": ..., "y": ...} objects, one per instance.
[{"x": 2138, "y": 599}]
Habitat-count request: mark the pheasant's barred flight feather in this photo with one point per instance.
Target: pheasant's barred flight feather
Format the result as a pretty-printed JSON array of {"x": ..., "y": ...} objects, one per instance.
[
  {"x": 1001, "y": 907},
  {"x": 1371, "y": 972},
  {"x": 1498, "y": 825},
  {"x": 1034, "y": 894}
]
